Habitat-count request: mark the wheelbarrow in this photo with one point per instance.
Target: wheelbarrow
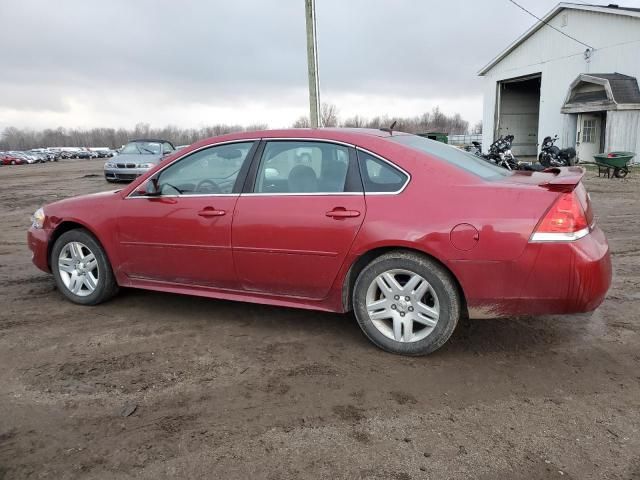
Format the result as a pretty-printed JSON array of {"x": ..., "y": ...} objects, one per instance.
[{"x": 616, "y": 161}]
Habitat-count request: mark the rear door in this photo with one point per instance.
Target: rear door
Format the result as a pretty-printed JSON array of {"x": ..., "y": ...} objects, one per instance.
[{"x": 295, "y": 225}]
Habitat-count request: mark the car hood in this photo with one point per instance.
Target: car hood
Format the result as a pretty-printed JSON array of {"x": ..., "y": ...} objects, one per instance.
[
  {"x": 135, "y": 158},
  {"x": 92, "y": 198}
]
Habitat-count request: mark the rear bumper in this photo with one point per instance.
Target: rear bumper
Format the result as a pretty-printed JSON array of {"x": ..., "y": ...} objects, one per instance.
[
  {"x": 38, "y": 241},
  {"x": 549, "y": 278}
]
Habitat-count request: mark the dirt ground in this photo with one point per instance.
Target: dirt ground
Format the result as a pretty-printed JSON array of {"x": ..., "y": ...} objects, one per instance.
[{"x": 155, "y": 385}]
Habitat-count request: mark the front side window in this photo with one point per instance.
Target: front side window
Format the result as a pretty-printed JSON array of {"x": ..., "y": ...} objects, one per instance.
[
  {"x": 213, "y": 170},
  {"x": 379, "y": 176},
  {"x": 303, "y": 167}
]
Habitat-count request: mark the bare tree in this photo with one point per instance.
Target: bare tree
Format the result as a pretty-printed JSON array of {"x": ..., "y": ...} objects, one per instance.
[
  {"x": 302, "y": 122},
  {"x": 329, "y": 115},
  {"x": 355, "y": 122}
]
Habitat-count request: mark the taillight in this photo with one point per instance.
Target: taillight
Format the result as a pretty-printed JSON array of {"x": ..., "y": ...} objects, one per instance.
[{"x": 565, "y": 221}]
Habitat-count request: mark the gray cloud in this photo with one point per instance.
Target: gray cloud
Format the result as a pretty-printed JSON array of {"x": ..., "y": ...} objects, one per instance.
[{"x": 238, "y": 54}]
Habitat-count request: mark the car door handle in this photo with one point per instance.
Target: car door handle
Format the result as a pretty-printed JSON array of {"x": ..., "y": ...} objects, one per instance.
[
  {"x": 211, "y": 212},
  {"x": 340, "y": 212}
]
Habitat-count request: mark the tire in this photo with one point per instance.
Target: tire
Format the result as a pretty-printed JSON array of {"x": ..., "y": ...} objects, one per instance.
[
  {"x": 544, "y": 160},
  {"x": 442, "y": 296},
  {"x": 620, "y": 172},
  {"x": 105, "y": 285}
]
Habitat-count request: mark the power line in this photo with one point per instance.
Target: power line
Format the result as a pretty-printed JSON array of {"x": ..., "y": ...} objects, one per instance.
[{"x": 549, "y": 25}]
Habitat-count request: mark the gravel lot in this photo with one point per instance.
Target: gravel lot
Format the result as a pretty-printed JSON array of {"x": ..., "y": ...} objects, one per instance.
[{"x": 230, "y": 390}]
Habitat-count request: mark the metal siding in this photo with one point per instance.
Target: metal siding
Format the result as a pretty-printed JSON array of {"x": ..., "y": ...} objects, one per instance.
[{"x": 623, "y": 132}]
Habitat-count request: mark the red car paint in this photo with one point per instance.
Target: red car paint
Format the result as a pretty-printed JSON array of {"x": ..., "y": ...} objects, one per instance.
[
  {"x": 296, "y": 251},
  {"x": 11, "y": 160}
]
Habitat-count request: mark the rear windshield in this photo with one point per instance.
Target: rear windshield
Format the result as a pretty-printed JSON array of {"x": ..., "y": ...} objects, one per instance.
[{"x": 461, "y": 159}]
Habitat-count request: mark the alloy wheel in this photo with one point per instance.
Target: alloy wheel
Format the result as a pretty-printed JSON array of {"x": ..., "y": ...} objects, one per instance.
[
  {"x": 78, "y": 268},
  {"x": 402, "y": 305}
]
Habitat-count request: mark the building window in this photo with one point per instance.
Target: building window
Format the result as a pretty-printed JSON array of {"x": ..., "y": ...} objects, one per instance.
[{"x": 589, "y": 131}]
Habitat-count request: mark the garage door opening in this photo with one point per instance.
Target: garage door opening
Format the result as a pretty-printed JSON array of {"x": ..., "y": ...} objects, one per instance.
[{"x": 518, "y": 112}]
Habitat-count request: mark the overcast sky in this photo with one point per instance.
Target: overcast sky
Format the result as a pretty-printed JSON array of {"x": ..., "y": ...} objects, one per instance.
[{"x": 86, "y": 63}]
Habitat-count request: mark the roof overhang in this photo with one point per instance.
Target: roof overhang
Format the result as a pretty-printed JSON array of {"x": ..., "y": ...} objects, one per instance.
[{"x": 538, "y": 25}]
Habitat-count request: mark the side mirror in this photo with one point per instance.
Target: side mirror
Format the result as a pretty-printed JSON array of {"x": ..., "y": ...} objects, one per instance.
[{"x": 149, "y": 188}]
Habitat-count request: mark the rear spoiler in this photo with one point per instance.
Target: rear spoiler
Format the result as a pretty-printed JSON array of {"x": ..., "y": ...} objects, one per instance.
[{"x": 565, "y": 179}]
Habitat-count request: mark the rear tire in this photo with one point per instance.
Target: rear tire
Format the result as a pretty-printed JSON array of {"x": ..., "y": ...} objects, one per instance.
[
  {"x": 81, "y": 268},
  {"x": 406, "y": 303}
]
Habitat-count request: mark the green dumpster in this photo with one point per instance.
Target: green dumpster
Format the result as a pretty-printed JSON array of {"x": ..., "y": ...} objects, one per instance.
[{"x": 437, "y": 136}]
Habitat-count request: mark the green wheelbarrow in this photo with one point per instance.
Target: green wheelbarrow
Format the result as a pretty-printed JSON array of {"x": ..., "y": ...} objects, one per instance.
[{"x": 616, "y": 161}]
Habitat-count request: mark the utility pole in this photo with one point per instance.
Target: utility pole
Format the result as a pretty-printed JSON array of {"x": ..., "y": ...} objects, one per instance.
[{"x": 312, "y": 61}]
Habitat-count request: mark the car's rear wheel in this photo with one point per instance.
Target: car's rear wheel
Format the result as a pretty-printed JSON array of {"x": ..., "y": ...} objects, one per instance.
[
  {"x": 406, "y": 303},
  {"x": 81, "y": 269}
]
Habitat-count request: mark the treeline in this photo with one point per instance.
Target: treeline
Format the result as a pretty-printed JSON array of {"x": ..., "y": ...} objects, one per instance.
[
  {"x": 13, "y": 138},
  {"x": 434, "y": 121}
]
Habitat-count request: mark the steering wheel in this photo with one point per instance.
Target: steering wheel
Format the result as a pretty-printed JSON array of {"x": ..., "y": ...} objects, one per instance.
[{"x": 208, "y": 186}]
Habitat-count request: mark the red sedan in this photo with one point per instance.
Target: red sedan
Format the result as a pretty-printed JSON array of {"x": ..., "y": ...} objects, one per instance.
[
  {"x": 7, "y": 159},
  {"x": 408, "y": 233}
]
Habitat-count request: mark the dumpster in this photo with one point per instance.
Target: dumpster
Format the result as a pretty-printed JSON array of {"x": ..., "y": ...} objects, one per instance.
[
  {"x": 437, "y": 136},
  {"x": 618, "y": 161}
]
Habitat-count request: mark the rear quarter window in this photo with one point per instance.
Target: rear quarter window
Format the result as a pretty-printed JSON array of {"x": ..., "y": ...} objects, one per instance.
[
  {"x": 379, "y": 176},
  {"x": 459, "y": 158}
]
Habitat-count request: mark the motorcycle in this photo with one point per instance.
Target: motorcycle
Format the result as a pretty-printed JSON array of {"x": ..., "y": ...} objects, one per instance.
[
  {"x": 552, "y": 156},
  {"x": 501, "y": 155}
]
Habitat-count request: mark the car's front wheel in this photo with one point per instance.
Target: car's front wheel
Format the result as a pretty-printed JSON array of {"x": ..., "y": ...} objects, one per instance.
[
  {"x": 81, "y": 269},
  {"x": 406, "y": 303}
]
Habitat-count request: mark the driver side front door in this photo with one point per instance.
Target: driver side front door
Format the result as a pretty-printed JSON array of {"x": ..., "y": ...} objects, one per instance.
[{"x": 183, "y": 235}]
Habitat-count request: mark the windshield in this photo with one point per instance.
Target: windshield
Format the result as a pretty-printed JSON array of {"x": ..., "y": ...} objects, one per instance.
[
  {"x": 461, "y": 159},
  {"x": 142, "y": 148}
]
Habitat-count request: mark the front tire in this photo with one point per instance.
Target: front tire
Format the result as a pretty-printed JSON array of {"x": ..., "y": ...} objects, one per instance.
[
  {"x": 406, "y": 303},
  {"x": 81, "y": 268}
]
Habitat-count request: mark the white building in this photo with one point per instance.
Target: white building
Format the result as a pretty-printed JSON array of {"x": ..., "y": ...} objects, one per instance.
[{"x": 546, "y": 83}]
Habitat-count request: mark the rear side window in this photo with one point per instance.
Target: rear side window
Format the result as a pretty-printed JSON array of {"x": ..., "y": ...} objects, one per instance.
[
  {"x": 379, "y": 176},
  {"x": 303, "y": 167},
  {"x": 461, "y": 159}
]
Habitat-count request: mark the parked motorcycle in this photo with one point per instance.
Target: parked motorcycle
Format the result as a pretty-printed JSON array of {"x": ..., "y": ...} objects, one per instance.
[
  {"x": 500, "y": 154},
  {"x": 552, "y": 156}
]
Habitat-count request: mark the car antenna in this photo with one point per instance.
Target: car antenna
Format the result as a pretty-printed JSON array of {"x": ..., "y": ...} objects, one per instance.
[{"x": 390, "y": 129}]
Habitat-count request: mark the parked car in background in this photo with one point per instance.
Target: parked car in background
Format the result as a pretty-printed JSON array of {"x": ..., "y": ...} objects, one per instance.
[
  {"x": 10, "y": 159},
  {"x": 136, "y": 158},
  {"x": 26, "y": 157},
  {"x": 83, "y": 154},
  {"x": 409, "y": 233}
]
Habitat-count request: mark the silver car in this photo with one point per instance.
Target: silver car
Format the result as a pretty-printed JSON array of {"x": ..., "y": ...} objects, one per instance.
[{"x": 135, "y": 158}]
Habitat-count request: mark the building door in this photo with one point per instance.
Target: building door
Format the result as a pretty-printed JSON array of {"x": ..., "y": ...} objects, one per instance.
[
  {"x": 588, "y": 136},
  {"x": 519, "y": 113}
]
